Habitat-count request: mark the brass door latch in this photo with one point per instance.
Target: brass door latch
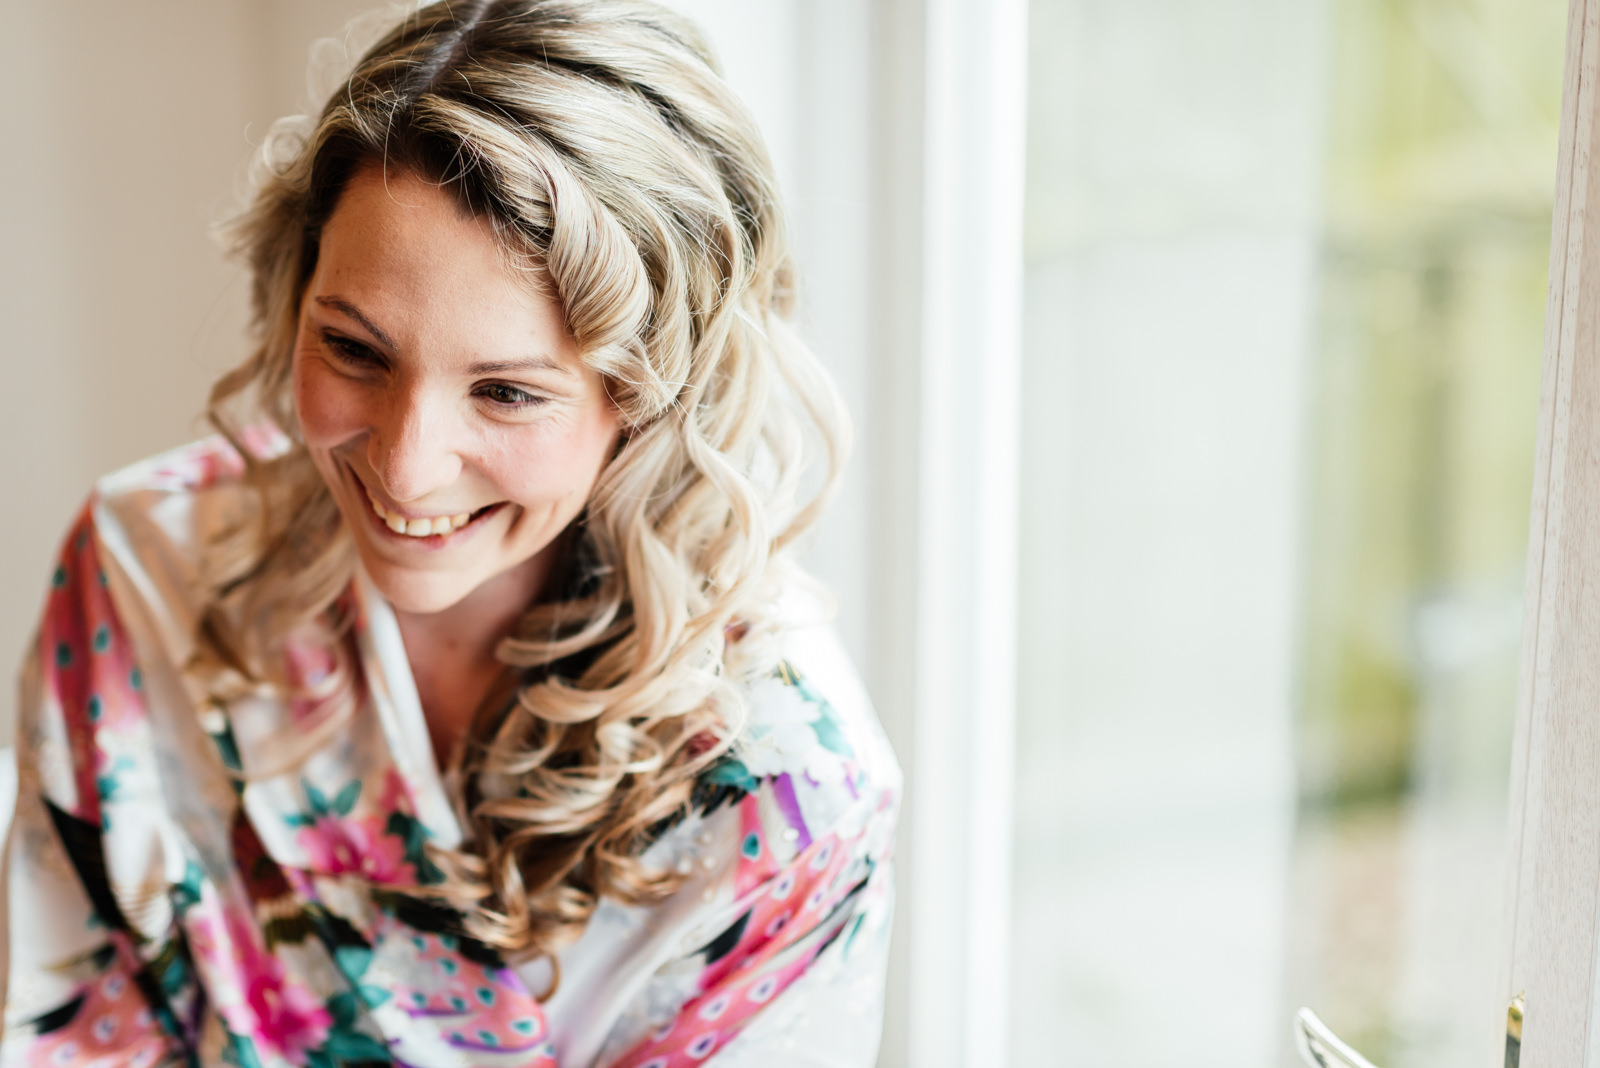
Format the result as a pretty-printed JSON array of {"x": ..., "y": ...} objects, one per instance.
[{"x": 1514, "y": 1032}]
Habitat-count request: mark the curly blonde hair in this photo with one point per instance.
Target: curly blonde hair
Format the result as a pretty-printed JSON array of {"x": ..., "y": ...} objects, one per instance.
[{"x": 600, "y": 142}]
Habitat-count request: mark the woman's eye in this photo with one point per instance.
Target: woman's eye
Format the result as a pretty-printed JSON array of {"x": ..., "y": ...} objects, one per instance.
[
  {"x": 351, "y": 351},
  {"x": 509, "y": 396}
]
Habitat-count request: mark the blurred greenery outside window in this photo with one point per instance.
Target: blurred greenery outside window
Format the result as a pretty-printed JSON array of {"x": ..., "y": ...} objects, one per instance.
[
  {"x": 1428, "y": 142},
  {"x": 1442, "y": 130}
]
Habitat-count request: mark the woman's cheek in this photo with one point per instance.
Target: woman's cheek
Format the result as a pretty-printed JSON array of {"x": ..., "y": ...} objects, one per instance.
[
  {"x": 557, "y": 459},
  {"x": 329, "y": 405}
]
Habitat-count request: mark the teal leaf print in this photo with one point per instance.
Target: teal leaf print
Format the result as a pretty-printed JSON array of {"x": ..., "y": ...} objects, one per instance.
[
  {"x": 350, "y": 1045},
  {"x": 374, "y": 995},
  {"x": 428, "y": 873},
  {"x": 174, "y": 979},
  {"x": 315, "y": 798},
  {"x": 227, "y": 747},
  {"x": 830, "y": 733},
  {"x": 855, "y": 929},
  {"x": 347, "y": 798},
  {"x": 170, "y": 967},
  {"x": 106, "y": 787},
  {"x": 298, "y": 819},
  {"x": 186, "y": 891},
  {"x": 827, "y": 726},
  {"x": 109, "y": 783},
  {"x": 353, "y": 960},
  {"x": 798, "y": 681},
  {"x": 410, "y": 830},
  {"x": 729, "y": 771},
  {"x": 241, "y": 1051},
  {"x": 342, "y": 1007}
]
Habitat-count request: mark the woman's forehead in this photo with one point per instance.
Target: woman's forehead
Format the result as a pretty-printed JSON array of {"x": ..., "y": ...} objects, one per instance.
[{"x": 398, "y": 250}]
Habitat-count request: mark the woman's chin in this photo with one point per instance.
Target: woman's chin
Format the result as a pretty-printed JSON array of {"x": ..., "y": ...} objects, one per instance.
[{"x": 416, "y": 592}]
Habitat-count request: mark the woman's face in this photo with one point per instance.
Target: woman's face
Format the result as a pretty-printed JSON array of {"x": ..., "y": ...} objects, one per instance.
[{"x": 442, "y": 397}]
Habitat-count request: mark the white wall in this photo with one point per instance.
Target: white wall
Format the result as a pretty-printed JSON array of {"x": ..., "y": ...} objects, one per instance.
[{"x": 125, "y": 130}]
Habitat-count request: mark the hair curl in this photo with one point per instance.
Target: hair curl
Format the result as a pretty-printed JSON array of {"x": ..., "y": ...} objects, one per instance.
[{"x": 605, "y": 150}]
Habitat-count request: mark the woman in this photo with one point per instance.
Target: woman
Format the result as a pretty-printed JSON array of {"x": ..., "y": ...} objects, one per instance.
[{"x": 458, "y": 703}]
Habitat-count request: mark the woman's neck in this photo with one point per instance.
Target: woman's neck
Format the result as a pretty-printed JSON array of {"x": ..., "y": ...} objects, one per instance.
[{"x": 452, "y": 652}]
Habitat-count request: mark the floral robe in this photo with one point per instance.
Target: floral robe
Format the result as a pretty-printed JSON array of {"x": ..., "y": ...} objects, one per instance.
[{"x": 165, "y": 909}]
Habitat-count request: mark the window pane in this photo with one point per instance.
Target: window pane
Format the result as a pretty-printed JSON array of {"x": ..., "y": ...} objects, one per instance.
[{"x": 1285, "y": 294}]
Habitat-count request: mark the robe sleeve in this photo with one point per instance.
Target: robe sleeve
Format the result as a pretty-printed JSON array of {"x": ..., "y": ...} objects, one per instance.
[
  {"x": 83, "y": 986},
  {"x": 794, "y": 977}
]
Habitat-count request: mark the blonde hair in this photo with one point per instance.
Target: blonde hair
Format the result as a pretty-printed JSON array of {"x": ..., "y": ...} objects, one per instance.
[{"x": 600, "y": 142}]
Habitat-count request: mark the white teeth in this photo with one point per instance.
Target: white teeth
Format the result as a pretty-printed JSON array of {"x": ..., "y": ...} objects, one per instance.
[{"x": 419, "y": 528}]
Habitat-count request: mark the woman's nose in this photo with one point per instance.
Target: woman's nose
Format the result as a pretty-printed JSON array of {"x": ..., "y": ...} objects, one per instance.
[{"x": 413, "y": 449}]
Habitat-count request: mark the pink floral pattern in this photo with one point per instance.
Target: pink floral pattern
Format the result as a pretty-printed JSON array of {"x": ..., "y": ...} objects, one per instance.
[
  {"x": 336, "y": 846},
  {"x": 279, "y": 1015},
  {"x": 87, "y": 666},
  {"x": 111, "y": 1028},
  {"x": 473, "y": 1006},
  {"x": 791, "y": 910}
]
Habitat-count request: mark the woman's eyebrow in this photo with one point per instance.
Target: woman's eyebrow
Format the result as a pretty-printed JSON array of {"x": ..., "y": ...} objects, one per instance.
[
  {"x": 533, "y": 363},
  {"x": 342, "y": 305}
]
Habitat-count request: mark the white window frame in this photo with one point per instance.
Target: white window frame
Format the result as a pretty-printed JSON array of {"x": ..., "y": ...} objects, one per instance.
[{"x": 951, "y": 101}]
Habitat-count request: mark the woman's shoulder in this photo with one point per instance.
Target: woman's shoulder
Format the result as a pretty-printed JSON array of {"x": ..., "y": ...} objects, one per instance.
[
  {"x": 210, "y": 468},
  {"x": 808, "y": 742},
  {"x": 131, "y": 558},
  {"x": 814, "y": 685},
  {"x": 116, "y": 620},
  {"x": 786, "y": 859},
  {"x": 154, "y": 518}
]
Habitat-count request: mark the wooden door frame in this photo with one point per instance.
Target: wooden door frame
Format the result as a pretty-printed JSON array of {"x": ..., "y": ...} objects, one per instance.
[{"x": 1552, "y": 925}]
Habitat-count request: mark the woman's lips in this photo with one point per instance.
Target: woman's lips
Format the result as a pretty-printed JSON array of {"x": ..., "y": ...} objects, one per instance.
[
  {"x": 433, "y": 529},
  {"x": 419, "y": 528}
]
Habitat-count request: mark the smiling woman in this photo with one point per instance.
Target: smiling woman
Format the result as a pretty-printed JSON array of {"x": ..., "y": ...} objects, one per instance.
[
  {"x": 457, "y": 461},
  {"x": 459, "y": 702}
]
